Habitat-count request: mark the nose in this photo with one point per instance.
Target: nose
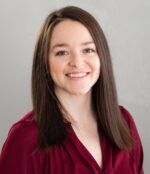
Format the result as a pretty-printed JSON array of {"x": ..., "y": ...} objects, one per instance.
[{"x": 76, "y": 60}]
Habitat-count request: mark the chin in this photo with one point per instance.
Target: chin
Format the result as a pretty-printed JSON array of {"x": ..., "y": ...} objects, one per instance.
[{"x": 79, "y": 92}]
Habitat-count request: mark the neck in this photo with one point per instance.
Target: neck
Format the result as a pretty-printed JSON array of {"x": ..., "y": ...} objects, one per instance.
[{"x": 78, "y": 107}]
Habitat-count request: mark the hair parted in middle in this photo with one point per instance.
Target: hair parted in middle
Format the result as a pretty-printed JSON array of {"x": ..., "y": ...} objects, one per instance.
[{"x": 48, "y": 111}]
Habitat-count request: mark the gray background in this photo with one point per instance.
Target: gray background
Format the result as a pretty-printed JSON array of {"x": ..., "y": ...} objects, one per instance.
[{"x": 127, "y": 27}]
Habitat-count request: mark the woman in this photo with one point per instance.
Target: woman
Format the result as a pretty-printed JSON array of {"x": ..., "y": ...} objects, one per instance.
[{"x": 76, "y": 125}]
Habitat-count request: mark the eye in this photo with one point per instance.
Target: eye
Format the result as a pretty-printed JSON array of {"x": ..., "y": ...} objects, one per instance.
[
  {"x": 61, "y": 53},
  {"x": 89, "y": 50}
]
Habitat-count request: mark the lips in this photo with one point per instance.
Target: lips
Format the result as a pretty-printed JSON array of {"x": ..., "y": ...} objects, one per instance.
[{"x": 77, "y": 74}]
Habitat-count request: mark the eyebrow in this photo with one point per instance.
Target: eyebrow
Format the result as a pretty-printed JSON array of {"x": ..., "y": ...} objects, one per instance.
[{"x": 65, "y": 44}]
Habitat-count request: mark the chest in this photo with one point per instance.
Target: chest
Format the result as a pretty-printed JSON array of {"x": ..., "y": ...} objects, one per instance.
[
  {"x": 82, "y": 154},
  {"x": 90, "y": 141}
]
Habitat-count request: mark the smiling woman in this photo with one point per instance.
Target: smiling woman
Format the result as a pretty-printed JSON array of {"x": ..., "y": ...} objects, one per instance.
[
  {"x": 76, "y": 125},
  {"x": 75, "y": 64}
]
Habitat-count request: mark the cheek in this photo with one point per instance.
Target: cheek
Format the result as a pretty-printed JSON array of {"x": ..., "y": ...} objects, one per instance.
[
  {"x": 96, "y": 65},
  {"x": 56, "y": 67}
]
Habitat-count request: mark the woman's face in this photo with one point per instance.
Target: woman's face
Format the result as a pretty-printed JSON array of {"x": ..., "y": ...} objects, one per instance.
[{"x": 73, "y": 59}]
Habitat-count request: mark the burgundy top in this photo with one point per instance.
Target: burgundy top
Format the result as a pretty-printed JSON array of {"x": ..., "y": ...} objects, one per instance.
[{"x": 20, "y": 156}]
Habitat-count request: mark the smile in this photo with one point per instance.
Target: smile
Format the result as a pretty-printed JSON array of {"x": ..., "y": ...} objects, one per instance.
[{"x": 77, "y": 74}]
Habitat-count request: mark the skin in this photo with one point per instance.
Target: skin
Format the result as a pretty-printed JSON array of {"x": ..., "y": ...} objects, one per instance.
[
  {"x": 75, "y": 68},
  {"x": 74, "y": 62}
]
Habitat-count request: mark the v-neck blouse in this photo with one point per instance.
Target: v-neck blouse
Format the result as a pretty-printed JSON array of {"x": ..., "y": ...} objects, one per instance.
[{"x": 20, "y": 156}]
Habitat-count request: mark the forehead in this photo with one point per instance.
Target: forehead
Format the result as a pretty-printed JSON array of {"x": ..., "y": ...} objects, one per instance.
[{"x": 70, "y": 31}]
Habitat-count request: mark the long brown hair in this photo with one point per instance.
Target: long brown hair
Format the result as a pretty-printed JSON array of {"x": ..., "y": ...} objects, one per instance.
[{"x": 48, "y": 111}]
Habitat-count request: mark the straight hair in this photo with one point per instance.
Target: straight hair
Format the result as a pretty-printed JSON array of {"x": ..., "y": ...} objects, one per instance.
[{"x": 49, "y": 114}]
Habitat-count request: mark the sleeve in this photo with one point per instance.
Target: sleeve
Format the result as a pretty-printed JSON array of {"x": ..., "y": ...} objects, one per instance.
[
  {"x": 16, "y": 151},
  {"x": 137, "y": 152}
]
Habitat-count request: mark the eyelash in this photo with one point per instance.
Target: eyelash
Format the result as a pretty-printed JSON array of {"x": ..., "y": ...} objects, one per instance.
[
  {"x": 64, "y": 53},
  {"x": 61, "y": 53},
  {"x": 86, "y": 50}
]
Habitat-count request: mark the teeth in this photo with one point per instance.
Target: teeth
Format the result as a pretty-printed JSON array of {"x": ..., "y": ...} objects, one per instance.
[{"x": 76, "y": 74}]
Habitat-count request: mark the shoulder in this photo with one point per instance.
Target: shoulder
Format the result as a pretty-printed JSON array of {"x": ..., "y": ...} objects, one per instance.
[
  {"x": 128, "y": 118},
  {"x": 132, "y": 126},
  {"x": 19, "y": 146},
  {"x": 25, "y": 128},
  {"x": 131, "y": 123},
  {"x": 137, "y": 152},
  {"x": 126, "y": 114},
  {"x": 23, "y": 135},
  {"x": 25, "y": 125}
]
